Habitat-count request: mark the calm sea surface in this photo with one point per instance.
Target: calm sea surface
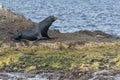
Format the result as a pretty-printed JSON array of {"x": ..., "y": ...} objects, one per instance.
[{"x": 73, "y": 15}]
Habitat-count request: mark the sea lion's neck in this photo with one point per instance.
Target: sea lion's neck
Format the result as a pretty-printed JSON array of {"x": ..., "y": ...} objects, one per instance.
[{"x": 45, "y": 23}]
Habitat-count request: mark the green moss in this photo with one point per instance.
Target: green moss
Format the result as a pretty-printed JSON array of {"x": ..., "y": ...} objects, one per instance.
[{"x": 97, "y": 56}]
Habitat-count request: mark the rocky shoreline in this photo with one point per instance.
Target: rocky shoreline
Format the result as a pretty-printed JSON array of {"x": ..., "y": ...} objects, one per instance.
[
  {"x": 71, "y": 56},
  {"x": 70, "y": 74}
]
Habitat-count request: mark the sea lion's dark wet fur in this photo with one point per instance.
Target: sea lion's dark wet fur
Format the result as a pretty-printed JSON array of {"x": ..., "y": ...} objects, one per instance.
[{"x": 38, "y": 32}]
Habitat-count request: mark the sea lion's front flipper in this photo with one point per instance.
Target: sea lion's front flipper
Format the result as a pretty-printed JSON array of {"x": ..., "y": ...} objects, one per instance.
[
  {"x": 48, "y": 37},
  {"x": 39, "y": 37}
]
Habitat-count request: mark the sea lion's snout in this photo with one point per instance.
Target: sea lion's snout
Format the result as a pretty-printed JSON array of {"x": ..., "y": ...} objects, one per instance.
[{"x": 53, "y": 18}]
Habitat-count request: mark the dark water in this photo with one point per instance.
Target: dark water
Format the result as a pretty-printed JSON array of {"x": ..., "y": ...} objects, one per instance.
[{"x": 73, "y": 15}]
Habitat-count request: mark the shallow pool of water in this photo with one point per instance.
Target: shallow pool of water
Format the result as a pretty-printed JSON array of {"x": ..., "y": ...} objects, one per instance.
[
  {"x": 52, "y": 76},
  {"x": 104, "y": 74},
  {"x": 20, "y": 76}
]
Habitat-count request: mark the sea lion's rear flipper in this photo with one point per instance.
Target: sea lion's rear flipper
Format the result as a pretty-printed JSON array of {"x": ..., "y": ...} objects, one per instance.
[{"x": 17, "y": 36}]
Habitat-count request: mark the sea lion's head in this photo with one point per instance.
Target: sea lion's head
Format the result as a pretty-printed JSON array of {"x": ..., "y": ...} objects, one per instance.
[{"x": 51, "y": 18}]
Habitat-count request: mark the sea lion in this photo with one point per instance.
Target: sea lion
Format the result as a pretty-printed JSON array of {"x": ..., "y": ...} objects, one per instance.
[{"x": 38, "y": 32}]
